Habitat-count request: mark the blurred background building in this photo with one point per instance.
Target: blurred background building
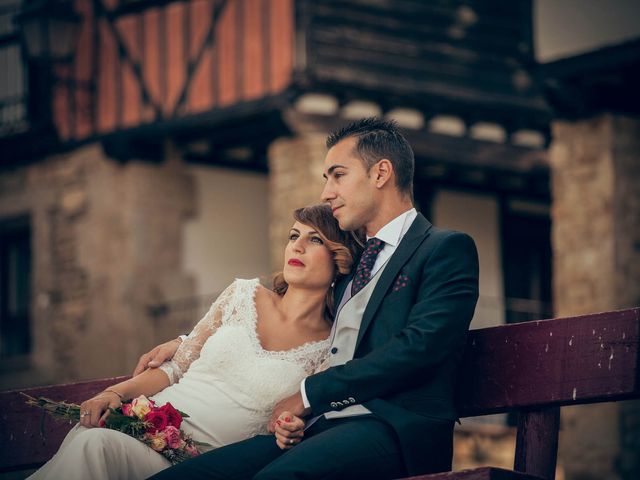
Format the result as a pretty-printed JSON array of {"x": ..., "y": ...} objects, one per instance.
[{"x": 152, "y": 150}]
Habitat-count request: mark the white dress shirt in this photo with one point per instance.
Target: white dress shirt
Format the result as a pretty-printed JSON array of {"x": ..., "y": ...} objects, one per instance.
[{"x": 391, "y": 234}]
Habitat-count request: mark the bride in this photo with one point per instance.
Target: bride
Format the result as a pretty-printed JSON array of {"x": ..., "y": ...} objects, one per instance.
[{"x": 252, "y": 348}]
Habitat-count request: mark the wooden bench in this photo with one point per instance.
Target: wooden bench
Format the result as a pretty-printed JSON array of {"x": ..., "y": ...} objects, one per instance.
[{"x": 532, "y": 368}]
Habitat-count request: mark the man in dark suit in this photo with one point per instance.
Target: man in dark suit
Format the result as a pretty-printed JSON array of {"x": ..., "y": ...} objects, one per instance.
[{"x": 385, "y": 407}]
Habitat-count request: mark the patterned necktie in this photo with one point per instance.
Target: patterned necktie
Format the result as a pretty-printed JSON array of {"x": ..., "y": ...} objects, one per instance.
[{"x": 367, "y": 260}]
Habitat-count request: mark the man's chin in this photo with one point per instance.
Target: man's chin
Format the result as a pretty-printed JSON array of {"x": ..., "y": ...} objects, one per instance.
[{"x": 346, "y": 225}]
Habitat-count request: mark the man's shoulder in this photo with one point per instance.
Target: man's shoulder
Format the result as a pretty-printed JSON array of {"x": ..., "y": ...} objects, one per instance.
[
  {"x": 438, "y": 241},
  {"x": 436, "y": 235}
]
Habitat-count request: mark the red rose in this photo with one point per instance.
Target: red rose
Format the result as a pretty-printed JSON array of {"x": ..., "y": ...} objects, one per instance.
[
  {"x": 173, "y": 416},
  {"x": 157, "y": 420}
]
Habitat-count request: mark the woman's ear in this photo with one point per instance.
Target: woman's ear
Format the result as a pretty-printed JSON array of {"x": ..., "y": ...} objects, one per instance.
[{"x": 383, "y": 171}]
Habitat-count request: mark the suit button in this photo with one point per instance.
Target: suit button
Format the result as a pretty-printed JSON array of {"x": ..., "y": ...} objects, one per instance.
[
  {"x": 334, "y": 350},
  {"x": 339, "y": 404},
  {"x": 334, "y": 404},
  {"x": 352, "y": 400},
  {"x": 345, "y": 402}
]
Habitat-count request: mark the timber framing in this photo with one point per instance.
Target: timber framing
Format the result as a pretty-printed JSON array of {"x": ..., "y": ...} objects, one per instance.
[{"x": 222, "y": 79}]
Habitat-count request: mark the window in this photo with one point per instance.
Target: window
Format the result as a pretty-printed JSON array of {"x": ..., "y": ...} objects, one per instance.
[
  {"x": 13, "y": 91},
  {"x": 527, "y": 263},
  {"x": 15, "y": 287}
]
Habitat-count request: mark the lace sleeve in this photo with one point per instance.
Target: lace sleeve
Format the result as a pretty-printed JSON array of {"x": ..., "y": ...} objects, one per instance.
[{"x": 189, "y": 349}]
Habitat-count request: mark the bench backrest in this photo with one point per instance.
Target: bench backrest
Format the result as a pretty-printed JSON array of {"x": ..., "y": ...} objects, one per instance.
[
  {"x": 526, "y": 367},
  {"x": 564, "y": 361},
  {"x": 29, "y": 436},
  {"x": 535, "y": 367}
]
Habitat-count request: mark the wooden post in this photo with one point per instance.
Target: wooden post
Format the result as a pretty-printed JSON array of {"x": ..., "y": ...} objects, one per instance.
[{"x": 537, "y": 442}]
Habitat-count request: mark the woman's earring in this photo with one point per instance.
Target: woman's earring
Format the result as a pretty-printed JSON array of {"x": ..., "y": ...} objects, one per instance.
[{"x": 333, "y": 284}]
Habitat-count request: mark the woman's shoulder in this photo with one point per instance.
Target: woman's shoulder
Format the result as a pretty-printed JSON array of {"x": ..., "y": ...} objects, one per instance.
[
  {"x": 242, "y": 284},
  {"x": 249, "y": 288}
]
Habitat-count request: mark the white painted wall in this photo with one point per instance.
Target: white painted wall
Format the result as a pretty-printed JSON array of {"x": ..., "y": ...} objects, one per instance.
[
  {"x": 228, "y": 238},
  {"x": 571, "y": 27},
  {"x": 477, "y": 215}
]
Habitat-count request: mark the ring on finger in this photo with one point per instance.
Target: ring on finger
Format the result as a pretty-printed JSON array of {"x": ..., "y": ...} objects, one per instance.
[
  {"x": 84, "y": 414},
  {"x": 291, "y": 441}
]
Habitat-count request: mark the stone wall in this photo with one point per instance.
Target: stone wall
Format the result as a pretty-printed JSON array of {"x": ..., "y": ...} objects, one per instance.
[
  {"x": 295, "y": 180},
  {"x": 106, "y": 243},
  {"x": 596, "y": 247}
]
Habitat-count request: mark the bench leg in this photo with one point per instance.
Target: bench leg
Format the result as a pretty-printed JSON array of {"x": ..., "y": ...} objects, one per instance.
[{"x": 537, "y": 442}]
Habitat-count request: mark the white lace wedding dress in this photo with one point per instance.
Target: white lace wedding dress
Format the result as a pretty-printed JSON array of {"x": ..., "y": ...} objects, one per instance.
[{"x": 221, "y": 376}]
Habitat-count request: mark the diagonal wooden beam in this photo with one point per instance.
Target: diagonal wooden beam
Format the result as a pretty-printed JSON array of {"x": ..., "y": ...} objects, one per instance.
[
  {"x": 216, "y": 11},
  {"x": 101, "y": 11}
]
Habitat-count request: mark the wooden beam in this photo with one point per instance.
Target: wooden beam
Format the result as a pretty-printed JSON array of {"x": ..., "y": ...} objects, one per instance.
[
  {"x": 443, "y": 149},
  {"x": 577, "y": 360},
  {"x": 537, "y": 442}
]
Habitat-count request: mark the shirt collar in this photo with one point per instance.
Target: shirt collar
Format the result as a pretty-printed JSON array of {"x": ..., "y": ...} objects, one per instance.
[{"x": 392, "y": 232}]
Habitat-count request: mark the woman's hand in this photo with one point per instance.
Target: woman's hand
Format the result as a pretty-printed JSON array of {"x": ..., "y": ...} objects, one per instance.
[
  {"x": 93, "y": 412},
  {"x": 289, "y": 430}
]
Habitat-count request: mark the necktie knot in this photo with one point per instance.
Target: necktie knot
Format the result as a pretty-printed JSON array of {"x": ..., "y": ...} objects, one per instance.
[{"x": 366, "y": 263}]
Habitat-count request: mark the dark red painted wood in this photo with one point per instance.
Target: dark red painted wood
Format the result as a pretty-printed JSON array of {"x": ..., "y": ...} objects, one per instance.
[
  {"x": 537, "y": 442},
  {"x": 485, "y": 473},
  {"x": 21, "y": 425},
  {"x": 566, "y": 361},
  {"x": 529, "y": 366}
]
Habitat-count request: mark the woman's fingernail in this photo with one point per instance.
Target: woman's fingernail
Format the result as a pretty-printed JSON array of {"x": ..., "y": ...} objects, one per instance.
[
  {"x": 101, "y": 423},
  {"x": 287, "y": 419}
]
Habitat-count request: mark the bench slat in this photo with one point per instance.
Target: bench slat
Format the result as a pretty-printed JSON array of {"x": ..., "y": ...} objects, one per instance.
[
  {"x": 562, "y": 361},
  {"x": 484, "y": 473},
  {"x": 23, "y": 444}
]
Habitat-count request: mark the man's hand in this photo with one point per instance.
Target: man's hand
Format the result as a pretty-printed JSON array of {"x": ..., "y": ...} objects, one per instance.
[
  {"x": 292, "y": 405},
  {"x": 157, "y": 356},
  {"x": 289, "y": 430}
]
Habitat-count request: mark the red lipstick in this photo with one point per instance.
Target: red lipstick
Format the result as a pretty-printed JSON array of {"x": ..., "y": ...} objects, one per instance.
[{"x": 295, "y": 262}]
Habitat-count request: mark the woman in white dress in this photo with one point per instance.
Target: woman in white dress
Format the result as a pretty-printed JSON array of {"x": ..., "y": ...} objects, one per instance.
[{"x": 252, "y": 349}]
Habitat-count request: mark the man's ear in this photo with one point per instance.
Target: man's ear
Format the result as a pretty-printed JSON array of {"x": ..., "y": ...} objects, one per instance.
[{"x": 382, "y": 172}]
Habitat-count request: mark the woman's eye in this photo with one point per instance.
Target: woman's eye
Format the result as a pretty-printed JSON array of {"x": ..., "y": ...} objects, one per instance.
[
  {"x": 293, "y": 236},
  {"x": 317, "y": 240}
]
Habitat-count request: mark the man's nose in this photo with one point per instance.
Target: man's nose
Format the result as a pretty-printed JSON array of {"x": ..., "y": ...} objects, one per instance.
[{"x": 327, "y": 193}]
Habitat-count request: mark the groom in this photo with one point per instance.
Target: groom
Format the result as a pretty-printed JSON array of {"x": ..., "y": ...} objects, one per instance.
[{"x": 385, "y": 407}]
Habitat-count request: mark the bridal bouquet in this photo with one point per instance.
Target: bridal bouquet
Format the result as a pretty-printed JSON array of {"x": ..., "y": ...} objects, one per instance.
[{"x": 156, "y": 427}]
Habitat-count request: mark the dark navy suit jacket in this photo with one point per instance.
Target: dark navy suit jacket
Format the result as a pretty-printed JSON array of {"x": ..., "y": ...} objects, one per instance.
[{"x": 411, "y": 339}]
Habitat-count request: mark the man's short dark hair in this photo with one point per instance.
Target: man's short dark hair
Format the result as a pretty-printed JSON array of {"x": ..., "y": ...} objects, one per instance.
[{"x": 378, "y": 139}]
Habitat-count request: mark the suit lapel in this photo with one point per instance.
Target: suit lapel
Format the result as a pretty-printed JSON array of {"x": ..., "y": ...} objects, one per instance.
[
  {"x": 341, "y": 286},
  {"x": 410, "y": 242}
]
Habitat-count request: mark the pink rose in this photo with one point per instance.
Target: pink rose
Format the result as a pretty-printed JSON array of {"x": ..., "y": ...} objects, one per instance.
[
  {"x": 173, "y": 437},
  {"x": 156, "y": 420},
  {"x": 173, "y": 415},
  {"x": 192, "y": 450},
  {"x": 127, "y": 410}
]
